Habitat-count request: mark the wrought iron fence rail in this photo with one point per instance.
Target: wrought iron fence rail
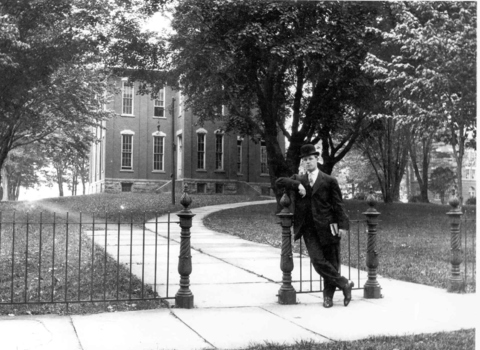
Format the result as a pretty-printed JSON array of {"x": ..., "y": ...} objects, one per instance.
[
  {"x": 36, "y": 254},
  {"x": 468, "y": 228},
  {"x": 315, "y": 282}
]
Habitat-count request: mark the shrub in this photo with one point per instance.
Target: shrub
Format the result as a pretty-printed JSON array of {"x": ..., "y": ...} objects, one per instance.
[
  {"x": 361, "y": 196},
  {"x": 415, "y": 199},
  {"x": 471, "y": 201}
]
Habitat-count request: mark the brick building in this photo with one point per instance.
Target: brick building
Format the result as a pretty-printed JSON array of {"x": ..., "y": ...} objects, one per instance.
[{"x": 133, "y": 151}]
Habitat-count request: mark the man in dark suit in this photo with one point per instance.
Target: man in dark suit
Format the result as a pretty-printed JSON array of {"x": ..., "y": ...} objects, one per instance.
[{"x": 319, "y": 210}]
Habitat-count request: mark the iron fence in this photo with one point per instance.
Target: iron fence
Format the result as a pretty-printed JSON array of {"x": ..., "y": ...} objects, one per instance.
[
  {"x": 351, "y": 257},
  {"x": 469, "y": 234},
  {"x": 46, "y": 258}
]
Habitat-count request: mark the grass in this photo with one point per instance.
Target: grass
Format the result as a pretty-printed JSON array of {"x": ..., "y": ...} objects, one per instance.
[
  {"x": 459, "y": 340},
  {"x": 84, "y": 272},
  {"x": 413, "y": 240},
  {"x": 129, "y": 205}
]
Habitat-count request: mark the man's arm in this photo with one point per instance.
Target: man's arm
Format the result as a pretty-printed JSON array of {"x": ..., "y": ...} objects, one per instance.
[{"x": 291, "y": 183}]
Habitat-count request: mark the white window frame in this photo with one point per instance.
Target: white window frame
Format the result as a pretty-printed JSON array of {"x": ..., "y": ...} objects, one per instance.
[
  {"x": 131, "y": 134},
  {"x": 219, "y": 133},
  {"x": 204, "y": 156},
  {"x": 159, "y": 135},
  {"x": 161, "y": 104},
  {"x": 125, "y": 84}
]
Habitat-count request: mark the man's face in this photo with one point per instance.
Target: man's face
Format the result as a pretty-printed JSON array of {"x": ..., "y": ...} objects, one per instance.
[{"x": 310, "y": 162}]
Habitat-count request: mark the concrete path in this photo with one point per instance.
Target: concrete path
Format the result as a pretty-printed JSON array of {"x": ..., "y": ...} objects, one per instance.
[{"x": 235, "y": 283}]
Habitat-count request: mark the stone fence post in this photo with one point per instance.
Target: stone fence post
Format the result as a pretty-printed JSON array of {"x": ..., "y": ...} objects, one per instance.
[
  {"x": 456, "y": 282},
  {"x": 184, "y": 296},
  {"x": 372, "y": 289},
  {"x": 286, "y": 294}
]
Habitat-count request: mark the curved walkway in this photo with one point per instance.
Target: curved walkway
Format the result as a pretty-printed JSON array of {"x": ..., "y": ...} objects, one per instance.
[{"x": 235, "y": 283}]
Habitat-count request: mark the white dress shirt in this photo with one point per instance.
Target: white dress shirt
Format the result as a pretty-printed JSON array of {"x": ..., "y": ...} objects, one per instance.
[{"x": 312, "y": 177}]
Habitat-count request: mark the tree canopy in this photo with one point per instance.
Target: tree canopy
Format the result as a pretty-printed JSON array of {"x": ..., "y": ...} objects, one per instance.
[
  {"x": 281, "y": 69},
  {"x": 430, "y": 79},
  {"x": 53, "y": 64}
]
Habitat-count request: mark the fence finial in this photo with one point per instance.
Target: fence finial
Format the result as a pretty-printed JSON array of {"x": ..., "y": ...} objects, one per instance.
[
  {"x": 371, "y": 200},
  {"x": 186, "y": 200},
  {"x": 285, "y": 201}
]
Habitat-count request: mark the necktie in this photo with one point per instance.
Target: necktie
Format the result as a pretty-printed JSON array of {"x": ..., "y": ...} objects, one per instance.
[{"x": 310, "y": 179}]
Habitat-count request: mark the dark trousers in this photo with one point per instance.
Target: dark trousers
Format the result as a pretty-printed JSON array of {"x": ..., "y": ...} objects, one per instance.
[{"x": 326, "y": 261}]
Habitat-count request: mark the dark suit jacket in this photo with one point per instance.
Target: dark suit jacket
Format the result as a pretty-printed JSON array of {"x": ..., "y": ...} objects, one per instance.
[{"x": 324, "y": 201}]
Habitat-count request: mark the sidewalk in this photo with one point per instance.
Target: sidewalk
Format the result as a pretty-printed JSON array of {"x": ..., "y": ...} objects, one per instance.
[{"x": 235, "y": 283}]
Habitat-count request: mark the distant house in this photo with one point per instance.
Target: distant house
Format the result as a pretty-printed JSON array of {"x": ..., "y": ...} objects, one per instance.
[
  {"x": 134, "y": 150},
  {"x": 442, "y": 157}
]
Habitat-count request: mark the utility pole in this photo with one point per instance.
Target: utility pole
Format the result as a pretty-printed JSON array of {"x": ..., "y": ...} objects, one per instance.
[{"x": 172, "y": 111}]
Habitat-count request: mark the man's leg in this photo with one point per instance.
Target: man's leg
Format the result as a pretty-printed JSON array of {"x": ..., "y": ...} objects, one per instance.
[
  {"x": 330, "y": 252},
  {"x": 322, "y": 265}
]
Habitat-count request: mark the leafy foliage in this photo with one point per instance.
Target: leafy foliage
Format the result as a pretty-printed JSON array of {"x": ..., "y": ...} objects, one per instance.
[
  {"x": 430, "y": 74},
  {"x": 280, "y": 69},
  {"x": 52, "y": 64},
  {"x": 441, "y": 180},
  {"x": 21, "y": 169}
]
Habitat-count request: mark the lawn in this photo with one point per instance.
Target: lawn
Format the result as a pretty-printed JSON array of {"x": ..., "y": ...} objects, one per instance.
[
  {"x": 81, "y": 272},
  {"x": 463, "y": 339},
  {"x": 413, "y": 239}
]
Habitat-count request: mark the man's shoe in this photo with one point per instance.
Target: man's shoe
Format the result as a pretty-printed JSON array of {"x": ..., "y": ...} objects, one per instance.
[
  {"x": 327, "y": 302},
  {"x": 347, "y": 293}
]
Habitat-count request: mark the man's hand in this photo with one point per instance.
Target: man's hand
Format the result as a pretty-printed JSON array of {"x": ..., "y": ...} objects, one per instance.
[
  {"x": 342, "y": 232},
  {"x": 302, "y": 190}
]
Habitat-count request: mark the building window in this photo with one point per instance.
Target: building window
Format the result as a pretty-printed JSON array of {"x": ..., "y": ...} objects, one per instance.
[
  {"x": 473, "y": 173},
  {"x": 201, "y": 188},
  {"x": 127, "y": 150},
  {"x": 158, "y": 152},
  {"x": 471, "y": 192},
  {"x": 263, "y": 159},
  {"x": 218, "y": 188},
  {"x": 201, "y": 151},
  {"x": 265, "y": 191},
  {"x": 467, "y": 173},
  {"x": 127, "y": 186},
  {"x": 127, "y": 98},
  {"x": 159, "y": 105},
  {"x": 218, "y": 151},
  {"x": 239, "y": 155}
]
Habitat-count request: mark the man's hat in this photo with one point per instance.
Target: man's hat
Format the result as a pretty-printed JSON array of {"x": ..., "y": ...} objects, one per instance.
[{"x": 308, "y": 150}]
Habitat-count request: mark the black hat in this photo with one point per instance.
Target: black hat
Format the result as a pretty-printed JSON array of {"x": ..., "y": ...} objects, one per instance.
[{"x": 308, "y": 150}]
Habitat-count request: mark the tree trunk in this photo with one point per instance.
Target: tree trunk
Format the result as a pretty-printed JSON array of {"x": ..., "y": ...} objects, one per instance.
[
  {"x": 60, "y": 182},
  {"x": 422, "y": 177}
]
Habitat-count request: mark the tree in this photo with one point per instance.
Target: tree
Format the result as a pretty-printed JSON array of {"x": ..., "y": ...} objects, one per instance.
[
  {"x": 52, "y": 63},
  {"x": 21, "y": 170},
  {"x": 280, "y": 69},
  {"x": 432, "y": 79},
  {"x": 385, "y": 148},
  {"x": 67, "y": 151},
  {"x": 356, "y": 171},
  {"x": 441, "y": 180},
  {"x": 420, "y": 143}
]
